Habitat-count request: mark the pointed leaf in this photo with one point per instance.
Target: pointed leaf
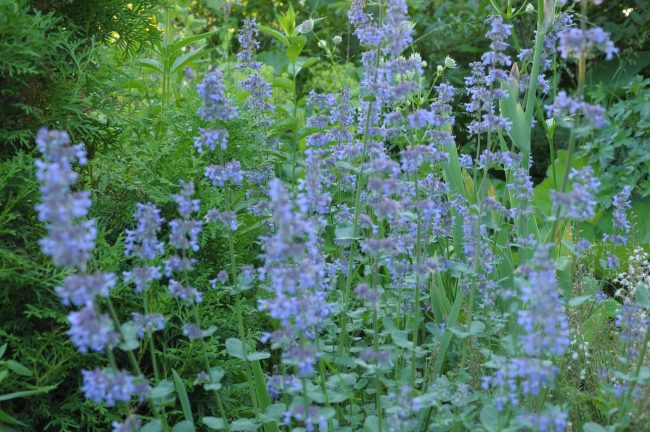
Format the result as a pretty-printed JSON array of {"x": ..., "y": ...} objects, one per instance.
[
  {"x": 235, "y": 348},
  {"x": 150, "y": 64},
  {"x": 274, "y": 33},
  {"x": 182, "y": 396}
]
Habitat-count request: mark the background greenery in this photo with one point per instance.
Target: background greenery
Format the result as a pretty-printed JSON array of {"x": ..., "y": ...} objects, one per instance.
[{"x": 80, "y": 66}]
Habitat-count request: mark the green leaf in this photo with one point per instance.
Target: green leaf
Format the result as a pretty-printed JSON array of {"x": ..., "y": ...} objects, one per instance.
[
  {"x": 475, "y": 329},
  {"x": 511, "y": 109},
  {"x": 186, "y": 59},
  {"x": 275, "y": 412},
  {"x": 191, "y": 39},
  {"x": 287, "y": 21},
  {"x": 593, "y": 427},
  {"x": 184, "y": 426},
  {"x": 296, "y": 44},
  {"x": 209, "y": 331},
  {"x": 642, "y": 296},
  {"x": 371, "y": 424},
  {"x": 18, "y": 368},
  {"x": 577, "y": 301},
  {"x": 345, "y": 231},
  {"x": 274, "y": 33},
  {"x": 3, "y": 349},
  {"x": 258, "y": 356},
  {"x": 151, "y": 64},
  {"x": 400, "y": 338},
  {"x": 235, "y": 348},
  {"x": 244, "y": 425},
  {"x": 182, "y": 396},
  {"x": 129, "y": 332},
  {"x": 283, "y": 83},
  {"x": 446, "y": 339},
  {"x": 25, "y": 393},
  {"x": 7, "y": 419},
  {"x": 214, "y": 423},
  {"x": 262, "y": 394},
  {"x": 152, "y": 426},
  {"x": 162, "y": 390},
  {"x": 490, "y": 418}
]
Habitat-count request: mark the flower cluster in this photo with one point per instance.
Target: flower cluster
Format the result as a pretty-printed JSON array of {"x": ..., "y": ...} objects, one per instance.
[
  {"x": 576, "y": 43},
  {"x": 110, "y": 387},
  {"x": 70, "y": 238},
  {"x": 544, "y": 321},
  {"x": 295, "y": 271},
  {"x": 484, "y": 83},
  {"x": 254, "y": 84},
  {"x": 564, "y": 106},
  {"x": 216, "y": 105},
  {"x": 580, "y": 203},
  {"x": 219, "y": 175}
]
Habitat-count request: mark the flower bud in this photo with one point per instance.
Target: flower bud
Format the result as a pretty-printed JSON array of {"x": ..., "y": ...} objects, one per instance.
[
  {"x": 337, "y": 40},
  {"x": 322, "y": 44},
  {"x": 450, "y": 63},
  {"x": 306, "y": 26}
]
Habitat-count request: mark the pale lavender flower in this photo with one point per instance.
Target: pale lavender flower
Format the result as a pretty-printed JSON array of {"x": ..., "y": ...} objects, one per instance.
[
  {"x": 216, "y": 105},
  {"x": 130, "y": 424},
  {"x": 295, "y": 271},
  {"x": 109, "y": 387},
  {"x": 192, "y": 331},
  {"x": 484, "y": 83},
  {"x": 81, "y": 290},
  {"x": 403, "y": 409},
  {"x": 528, "y": 376},
  {"x": 177, "y": 263},
  {"x": 633, "y": 322},
  {"x": 547, "y": 421},
  {"x": 564, "y": 105},
  {"x": 141, "y": 277},
  {"x": 229, "y": 219},
  {"x": 184, "y": 293},
  {"x": 91, "y": 331},
  {"x": 621, "y": 205},
  {"x": 260, "y": 93},
  {"x": 466, "y": 161},
  {"x": 576, "y": 43},
  {"x": 356, "y": 15},
  {"x": 580, "y": 203},
  {"x": 364, "y": 292},
  {"x": 69, "y": 241},
  {"x": 211, "y": 139},
  {"x": 142, "y": 242},
  {"x": 186, "y": 204},
  {"x": 148, "y": 323},
  {"x": 248, "y": 44},
  {"x": 230, "y": 173},
  {"x": 312, "y": 419},
  {"x": 521, "y": 190},
  {"x": 185, "y": 234},
  {"x": 544, "y": 321}
]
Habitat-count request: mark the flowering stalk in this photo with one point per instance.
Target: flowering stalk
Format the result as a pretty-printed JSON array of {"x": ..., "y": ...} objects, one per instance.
[
  {"x": 357, "y": 205},
  {"x": 637, "y": 371}
]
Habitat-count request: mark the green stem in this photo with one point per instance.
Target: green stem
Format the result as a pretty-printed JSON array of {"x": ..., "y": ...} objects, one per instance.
[{"x": 537, "y": 61}]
